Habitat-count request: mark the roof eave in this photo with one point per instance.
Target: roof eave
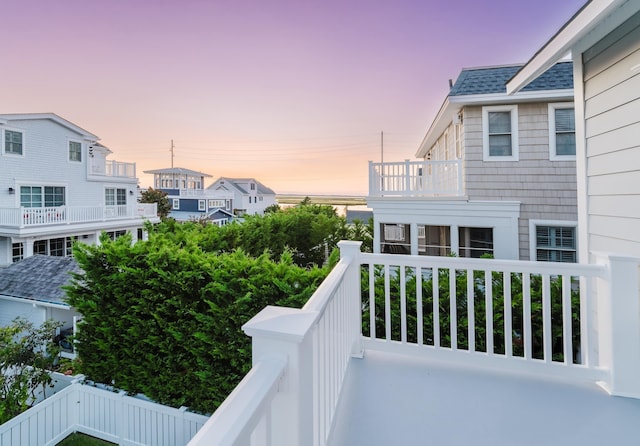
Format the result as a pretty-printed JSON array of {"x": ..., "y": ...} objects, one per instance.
[
  {"x": 453, "y": 104},
  {"x": 561, "y": 43}
]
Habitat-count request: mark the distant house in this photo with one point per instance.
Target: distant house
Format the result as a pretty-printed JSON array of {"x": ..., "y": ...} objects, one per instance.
[
  {"x": 495, "y": 174},
  {"x": 250, "y": 196},
  {"x": 32, "y": 289},
  {"x": 188, "y": 197},
  {"x": 58, "y": 186}
]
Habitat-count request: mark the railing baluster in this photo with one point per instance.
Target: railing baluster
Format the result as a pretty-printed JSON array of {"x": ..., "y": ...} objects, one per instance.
[
  {"x": 471, "y": 316},
  {"x": 372, "y": 302},
  {"x": 436, "y": 308},
  {"x": 453, "y": 314},
  {"x": 508, "y": 316},
  {"x": 526, "y": 308},
  {"x": 403, "y": 305},
  {"x": 567, "y": 332},
  {"x": 546, "y": 317},
  {"x": 387, "y": 303},
  {"x": 488, "y": 301},
  {"x": 419, "y": 318}
]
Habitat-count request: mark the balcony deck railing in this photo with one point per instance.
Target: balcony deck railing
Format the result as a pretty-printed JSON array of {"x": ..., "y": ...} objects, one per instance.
[
  {"x": 40, "y": 216},
  {"x": 112, "y": 168},
  {"x": 568, "y": 321},
  {"x": 416, "y": 178}
]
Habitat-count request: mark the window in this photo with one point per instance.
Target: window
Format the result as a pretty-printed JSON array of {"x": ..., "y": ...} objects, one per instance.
[
  {"x": 555, "y": 243},
  {"x": 75, "y": 151},
  {"x": 33, "y": 196},
  {"x": 500, "y": 133},
  {"x": 115, "y": 197},
  {"x": 113, "y": 235},
  {"x": 562, "y": 131},
  {"x": 13, "y": 142},
  {"x": 202, "y": 205},
  {"x": 395, "y": 239},
  {"x": 434, "y": 240},
  {"x": 253, "y": 186},
  {"x": 53, "y": 196},
  {"x": 216, "y": 204},
  {"x": 475, "y": 242},
  {"x": 176, "y": 203},
  {"x": 17, "y": 252},
  {"x": 59, "y": 247}
]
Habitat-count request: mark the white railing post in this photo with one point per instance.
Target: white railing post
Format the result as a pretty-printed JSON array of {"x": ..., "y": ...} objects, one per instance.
[
  {"x": 350, "y": 250},
  {"x": 284, "y": 334},
  {"x": 619, "y": 321}
]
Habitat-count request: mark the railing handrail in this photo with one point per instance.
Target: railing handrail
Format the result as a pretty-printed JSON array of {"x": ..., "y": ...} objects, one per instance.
[
  {"x": 498, "y": 265},
  {"x": 416, "y": 178},
  {"x": 240, "y": 412},
  {"x": 321, "y": 297}
]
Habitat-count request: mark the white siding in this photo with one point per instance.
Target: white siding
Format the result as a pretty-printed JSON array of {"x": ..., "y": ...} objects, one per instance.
[
  {"x": 10, "y": 309},
  {"x": 612, "y": 127}
]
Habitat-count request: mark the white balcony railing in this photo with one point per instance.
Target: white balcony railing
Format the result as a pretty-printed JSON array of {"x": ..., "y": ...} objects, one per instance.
[
  {"x": 416, "y": 178},
  {"x": 568, "y": 321},
  {"x": 28, "y": 217}
]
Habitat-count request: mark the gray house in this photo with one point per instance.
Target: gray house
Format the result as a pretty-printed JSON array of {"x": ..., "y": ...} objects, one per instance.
[{"x": 495, "y": 174}]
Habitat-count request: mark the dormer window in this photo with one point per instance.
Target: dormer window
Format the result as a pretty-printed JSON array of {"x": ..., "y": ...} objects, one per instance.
[{"x": 253, "y": 186}]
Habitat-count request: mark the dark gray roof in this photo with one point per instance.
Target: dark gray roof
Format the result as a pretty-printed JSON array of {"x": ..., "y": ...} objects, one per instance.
[
  {"x": 236, "y": 182},
  {"x": 363, "y": 216},
  {"x": 38, "y": 278},
  {"x": 489, "y": 80}
]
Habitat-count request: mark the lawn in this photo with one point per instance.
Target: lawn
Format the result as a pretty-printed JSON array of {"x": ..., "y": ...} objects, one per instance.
[{"x": 78, "y": 439}]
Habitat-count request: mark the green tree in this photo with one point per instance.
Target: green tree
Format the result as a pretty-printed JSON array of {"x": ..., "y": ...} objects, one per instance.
[
  {"x": 163, "y": 317},
  {"x": 27, "y": 355},
  {"x": 159, "y": 197}
]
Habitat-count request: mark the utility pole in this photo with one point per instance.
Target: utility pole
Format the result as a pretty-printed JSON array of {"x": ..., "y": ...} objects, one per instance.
[
  {"x": 381, "y": 147},
  {"x": 172, "y": 153}
]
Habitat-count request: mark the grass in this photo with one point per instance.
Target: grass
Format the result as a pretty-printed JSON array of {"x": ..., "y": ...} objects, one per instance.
[{"x": 78, "y": 439}]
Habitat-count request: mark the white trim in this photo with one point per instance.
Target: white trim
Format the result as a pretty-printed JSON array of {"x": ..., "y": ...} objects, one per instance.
[
  {"x": 515, "y": 153},
  {"x": 581, "y": 161},
  {"x": 533, "y": 224},
  {"x": 202, "y": 205},
  {"x": 552, "y": 107},
  {"x": 175, "y": 204}
]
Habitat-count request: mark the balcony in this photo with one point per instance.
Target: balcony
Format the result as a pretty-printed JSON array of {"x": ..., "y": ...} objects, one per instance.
[
  {"x": 20, "y": 218},
  {"x": 99, "y": 167},
  {"x": 416, "y": 179},
  {"x": 499, "y": 352}
]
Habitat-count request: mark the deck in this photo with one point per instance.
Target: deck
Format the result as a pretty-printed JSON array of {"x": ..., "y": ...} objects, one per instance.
[{"x": 391, "y": 398}]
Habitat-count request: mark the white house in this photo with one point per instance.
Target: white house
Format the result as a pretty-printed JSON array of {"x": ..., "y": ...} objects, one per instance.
[
  {"x": 495, "y": 174},
  {"x": 250, "y": 196},
  {"x": 188, "y": 197},
  {"x": 57, "y": 186}
]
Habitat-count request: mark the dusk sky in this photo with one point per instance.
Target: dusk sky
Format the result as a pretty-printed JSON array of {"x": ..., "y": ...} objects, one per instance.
[{"x": 293, "y": 93}]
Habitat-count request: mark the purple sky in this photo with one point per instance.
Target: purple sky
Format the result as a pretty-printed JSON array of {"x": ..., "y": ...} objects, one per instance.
[{"x": 292, "y": 92}]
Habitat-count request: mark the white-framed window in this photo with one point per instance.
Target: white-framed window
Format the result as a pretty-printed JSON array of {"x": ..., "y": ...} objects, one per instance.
[
  {"x": 57, "y": 247},
  {"x": 553, "y": 241},
  {"x": 202, "y": 205},
  {"x": 253, "y": 186},
  {"x": 13, "y": 142},
  {"x": 175, "y": 203},
  {"x": 216, "y": 204},
  {"x": 562, "y": 131},
  {"x": 434, "y": 240},
  {"x": 75, "y": 151},
  {"x": 42, "y": 196},
  {"x": 395, "y": 238},
  {"x": 500, "y": 133},
  {"x": 115, "y": 196},
  {"x": 475, "y": 242}
]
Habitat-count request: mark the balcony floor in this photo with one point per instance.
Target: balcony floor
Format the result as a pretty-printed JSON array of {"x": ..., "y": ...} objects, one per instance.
[{"x": 390, "y": 399}]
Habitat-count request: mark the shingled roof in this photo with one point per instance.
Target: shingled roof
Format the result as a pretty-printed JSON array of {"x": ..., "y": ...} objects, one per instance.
[
  {"x": 38, "y": 278},
  {"x": 489, "y": 80}
]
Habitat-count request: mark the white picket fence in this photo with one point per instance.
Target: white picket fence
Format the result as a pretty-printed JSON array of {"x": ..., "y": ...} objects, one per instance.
[{"x": 115, "y": 417}]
